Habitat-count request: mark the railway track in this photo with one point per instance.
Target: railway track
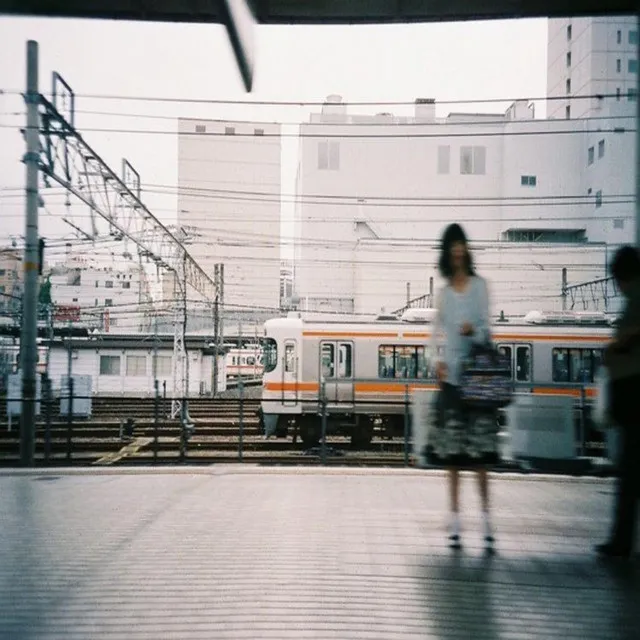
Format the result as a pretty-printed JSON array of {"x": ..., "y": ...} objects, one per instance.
[
  {"x": 99, "y": 441},
  {"x": 215, "y": 438}
]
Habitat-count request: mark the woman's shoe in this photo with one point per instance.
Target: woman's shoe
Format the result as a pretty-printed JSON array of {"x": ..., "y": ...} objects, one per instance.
[{"x": 454, "y": 541}]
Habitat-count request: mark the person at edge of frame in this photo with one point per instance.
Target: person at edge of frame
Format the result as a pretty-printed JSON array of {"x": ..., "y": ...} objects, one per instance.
[
  {"x": 622, "y": 359},
  {"x": 460, "y": 438}
]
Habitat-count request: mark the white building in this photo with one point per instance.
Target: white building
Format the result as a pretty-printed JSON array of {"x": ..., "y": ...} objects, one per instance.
[
  {"x": 592, "y": 57},
  {"x": 112, "y": 299},
  {"x": 372, "y": 187},
  {"x": 229, "y": 192}
]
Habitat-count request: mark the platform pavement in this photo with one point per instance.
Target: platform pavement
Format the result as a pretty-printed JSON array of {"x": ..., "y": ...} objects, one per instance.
[{"x": 246, "y": 552}]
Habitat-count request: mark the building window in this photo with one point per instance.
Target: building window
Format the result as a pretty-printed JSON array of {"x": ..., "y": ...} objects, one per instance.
[
  {"x": 108, "y": 284},
  {"x": 109, "y": 365},
  {"x": 598, "y": 199},
  {"x": 113, "y": 322},
  {"x": 528, "y": 181},
  {"x": 473, "y": 160},
  {"x": 200, "y": 128},
  {"x": 163, "y": 366},
  {"x": 74, "y": 300},
  {"x": 329, "y": 155},
  {"x": 591, "y": 155},
  {"x": 633, "y": 92},
  {"x": 108, "y": 302},
  {"x": 229, "y": 131},
  {"x": 568, "y": 58},
  {"x": 633, "y": 66},
  {"x": 633, "y": 37},
  {"x": 569, "y": 32},
  {"x": 601, "y": 149},
  {"x": 136, "y": 365},
  {"x": 258, "y": 132},
  {"x": 618, "y": 223},
  {"x": 568, "y": 85},
  {"x": 619, "y": 36},
  {"x": 444, "y": 159},
  {"x": 618, "y": 65},
  {"x": 3, "y": 272},
  {"x": 126, "y": 285},
  {"x": 567, "y": 112},
  {"x": 618, "y": 94}
]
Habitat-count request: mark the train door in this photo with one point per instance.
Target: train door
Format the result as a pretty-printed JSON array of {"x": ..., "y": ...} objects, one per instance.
[
  {"x": 290, "y": 373},
  {"x": 336, "y": 369},
  {"x": 519, "y": 355}
]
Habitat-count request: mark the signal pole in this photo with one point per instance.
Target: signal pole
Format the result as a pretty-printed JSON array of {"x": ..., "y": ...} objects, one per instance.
[{"x": 28, "y": 339}]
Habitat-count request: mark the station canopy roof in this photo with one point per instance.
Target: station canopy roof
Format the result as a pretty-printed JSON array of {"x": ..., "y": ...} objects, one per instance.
[{"x": 318, "y": 11}]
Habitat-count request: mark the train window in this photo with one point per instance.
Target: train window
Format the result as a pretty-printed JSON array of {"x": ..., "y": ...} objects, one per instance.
[
  {"x": 251, "y": 360},
  {"x": 575, "y": 365},
  {"x": 385, "y": 362},
  {"x": 327, "y": 359},
  {"x": 270, "y": 352},
  {"x": 344, "y": 360},
  {"x": 402, "y": 361},
  {"x": 523, "y": 363},
  {"x": 560, "y": 365},
  {"x": 289, "y": 357},
  {"x": 507, "y": 351}
]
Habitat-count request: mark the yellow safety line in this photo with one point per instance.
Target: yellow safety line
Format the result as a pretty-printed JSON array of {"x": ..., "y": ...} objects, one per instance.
[{"x": 131, "y": 449}]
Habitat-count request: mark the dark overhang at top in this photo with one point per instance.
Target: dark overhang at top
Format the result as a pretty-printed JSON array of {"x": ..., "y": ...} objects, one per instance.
[{"x": 318, "y": 11}]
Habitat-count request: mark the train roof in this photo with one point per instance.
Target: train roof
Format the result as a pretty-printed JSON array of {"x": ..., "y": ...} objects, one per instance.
[{"x": 534, "y": 322}]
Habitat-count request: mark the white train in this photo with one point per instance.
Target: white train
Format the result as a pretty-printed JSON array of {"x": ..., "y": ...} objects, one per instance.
[
  {"x": 245, "y": 362},
  {"x": 367, "y": 369}
]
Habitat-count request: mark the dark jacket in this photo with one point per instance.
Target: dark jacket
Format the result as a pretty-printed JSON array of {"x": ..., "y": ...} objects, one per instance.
[{"x": 625, "y": 363}]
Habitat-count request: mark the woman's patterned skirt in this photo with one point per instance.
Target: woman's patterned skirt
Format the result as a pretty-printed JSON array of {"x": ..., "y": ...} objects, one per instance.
[{"x": 459, "y": 436}]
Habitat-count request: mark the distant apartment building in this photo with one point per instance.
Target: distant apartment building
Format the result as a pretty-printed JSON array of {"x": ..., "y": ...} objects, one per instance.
[
  {"x": 103, "y": 297},
  {"x": 375, "y": 191},
  {"x": 588, "y": 59},
  {"x": 229, "y": 177}
]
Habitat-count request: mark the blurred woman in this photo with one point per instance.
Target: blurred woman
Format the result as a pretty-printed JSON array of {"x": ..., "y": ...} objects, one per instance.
[
  {"x": 460, "y": 438},
  {"x": 622, "y": 359}
]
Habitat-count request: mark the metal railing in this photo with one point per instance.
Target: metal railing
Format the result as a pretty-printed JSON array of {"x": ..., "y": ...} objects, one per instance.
[{"x": 118, "y": 420}]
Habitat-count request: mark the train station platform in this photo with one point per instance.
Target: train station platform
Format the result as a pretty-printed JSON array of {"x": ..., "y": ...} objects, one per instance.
[{"x": 246, "y": 552}]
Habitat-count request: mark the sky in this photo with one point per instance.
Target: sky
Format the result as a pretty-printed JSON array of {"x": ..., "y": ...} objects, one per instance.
[{"x": 447, "y": 61}]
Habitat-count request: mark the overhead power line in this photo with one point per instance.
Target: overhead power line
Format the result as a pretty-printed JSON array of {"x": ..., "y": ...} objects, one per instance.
[
  {"x": 316, "y": 103},
  {"x": 344, "y": 136}
]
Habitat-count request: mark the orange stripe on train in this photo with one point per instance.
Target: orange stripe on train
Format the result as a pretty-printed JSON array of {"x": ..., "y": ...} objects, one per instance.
[{"x": 496, "y": 337}]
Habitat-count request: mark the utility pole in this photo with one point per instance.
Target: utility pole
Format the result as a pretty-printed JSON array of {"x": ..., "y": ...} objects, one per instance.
[
  {"x": 638, "y": 147},
  {"x": 408, "y": 293},
  {"x": 564, "y": 288},
  {"x": 28, "y": 347},
  {"x": 216, "y": 328}
]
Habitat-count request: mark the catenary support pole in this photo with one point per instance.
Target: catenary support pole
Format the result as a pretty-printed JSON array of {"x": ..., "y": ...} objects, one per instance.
[{"x": 28, "y": 340}]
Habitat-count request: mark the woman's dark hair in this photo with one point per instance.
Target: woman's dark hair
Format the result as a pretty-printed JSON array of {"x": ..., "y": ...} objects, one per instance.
[
  {"x": 625, "y": 266},
  {"x": 452, "y": 234}
]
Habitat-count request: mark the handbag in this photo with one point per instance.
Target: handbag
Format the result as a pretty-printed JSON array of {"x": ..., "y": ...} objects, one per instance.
[{"x": 485, "y": 380}]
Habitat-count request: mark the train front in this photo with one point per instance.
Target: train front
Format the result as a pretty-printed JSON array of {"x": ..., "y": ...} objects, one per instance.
[{"x": 282, "y": 352}]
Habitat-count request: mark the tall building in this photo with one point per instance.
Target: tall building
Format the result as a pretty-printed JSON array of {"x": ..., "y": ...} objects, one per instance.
[
  {"x": 229, "y": 176},
  {"x": 590, "y": 57},
  {"x": 374, "y": 193}
]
